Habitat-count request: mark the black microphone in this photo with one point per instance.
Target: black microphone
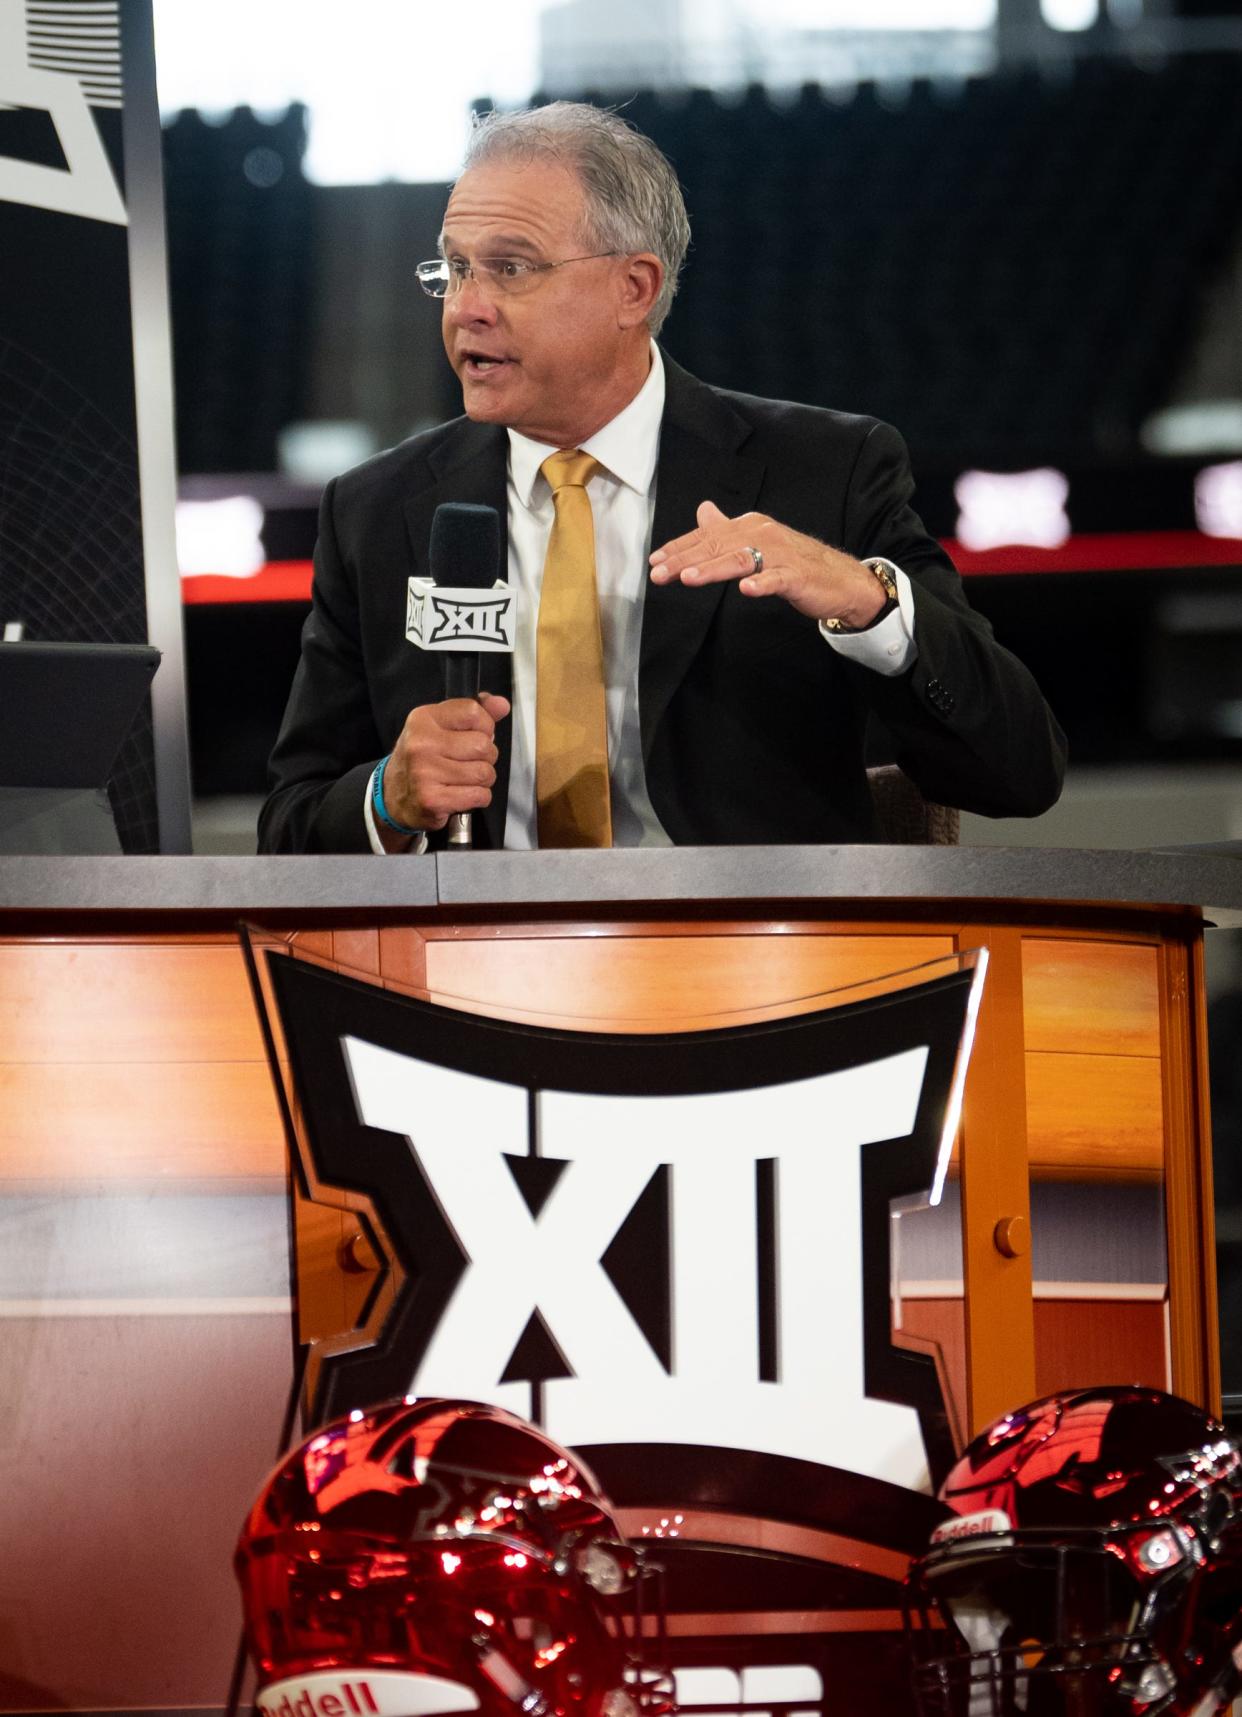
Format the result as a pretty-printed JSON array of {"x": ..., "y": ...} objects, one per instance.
[{"x": 464, "y": 555}]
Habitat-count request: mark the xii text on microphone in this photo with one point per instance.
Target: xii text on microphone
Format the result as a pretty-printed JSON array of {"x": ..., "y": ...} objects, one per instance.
[{"x": 462, "y": 609}]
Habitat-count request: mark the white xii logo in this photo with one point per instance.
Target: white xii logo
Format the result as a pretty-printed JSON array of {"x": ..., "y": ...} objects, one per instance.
[{"x": 461, "y": 1127}]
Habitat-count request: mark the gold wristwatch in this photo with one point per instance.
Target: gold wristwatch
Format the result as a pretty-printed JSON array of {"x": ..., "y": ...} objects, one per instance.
[{"x": 883, "y": 570}]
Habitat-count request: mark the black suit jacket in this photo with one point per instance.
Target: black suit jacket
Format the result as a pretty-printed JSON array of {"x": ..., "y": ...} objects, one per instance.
[{"x": 752, "y": 725}]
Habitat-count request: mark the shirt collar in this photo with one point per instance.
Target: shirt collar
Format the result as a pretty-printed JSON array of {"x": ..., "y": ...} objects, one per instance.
[{"x": 627, "y": 446}]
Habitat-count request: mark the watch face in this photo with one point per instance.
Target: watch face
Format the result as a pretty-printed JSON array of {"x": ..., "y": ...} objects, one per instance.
[{"x": 883, "y": 572}]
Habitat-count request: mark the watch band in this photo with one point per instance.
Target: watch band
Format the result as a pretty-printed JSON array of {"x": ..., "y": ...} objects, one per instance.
[{"x": 883, "y": 570}]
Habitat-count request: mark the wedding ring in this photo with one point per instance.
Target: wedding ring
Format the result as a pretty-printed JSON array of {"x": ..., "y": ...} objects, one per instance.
[{"x": 757, "y": 556}]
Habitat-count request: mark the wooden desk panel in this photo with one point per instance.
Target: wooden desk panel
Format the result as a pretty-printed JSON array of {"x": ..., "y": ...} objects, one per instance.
[
  {"x": 130, "y": 1002},
  {"x": 1094, "y": 1117},
  {"x": 136, "y": 1058},
  {"x": 1085, "y": 996},
  {"x": 626, "y": 978}
]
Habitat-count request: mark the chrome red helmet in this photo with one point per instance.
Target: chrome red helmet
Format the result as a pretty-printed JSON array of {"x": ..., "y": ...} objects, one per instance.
[
  {"x": 437, "y": 1556},
  {"x": 1094, "y": 1565}
]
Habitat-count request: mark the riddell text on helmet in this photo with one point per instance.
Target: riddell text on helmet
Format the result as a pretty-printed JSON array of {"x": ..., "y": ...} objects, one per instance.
[
  {"x": 380, "y": 1693},
  {"x": 351, "y": 1697}
]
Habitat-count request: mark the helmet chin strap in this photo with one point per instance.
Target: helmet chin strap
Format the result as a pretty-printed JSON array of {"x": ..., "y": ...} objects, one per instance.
[
  {"x": 507, "y": 1680},
  {"x": 513, "y": 1686},
  {"x": 1220, "y": 1696},
  {"x": 1210, "y": 1705}
]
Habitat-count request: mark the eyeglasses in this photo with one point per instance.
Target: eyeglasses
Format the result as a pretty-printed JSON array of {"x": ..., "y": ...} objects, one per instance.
[{"x": 504, "y": 274}]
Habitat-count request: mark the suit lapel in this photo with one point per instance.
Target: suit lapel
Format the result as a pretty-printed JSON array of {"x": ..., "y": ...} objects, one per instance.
[
  {"x": 471, "y": 464},
  {"x": 701, "y": 459}
]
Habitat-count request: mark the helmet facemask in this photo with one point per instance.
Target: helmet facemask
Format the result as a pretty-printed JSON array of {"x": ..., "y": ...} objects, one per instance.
[
  {"x": 1092, "y": 1568},
  {"x": 1016, "y": 1624}
]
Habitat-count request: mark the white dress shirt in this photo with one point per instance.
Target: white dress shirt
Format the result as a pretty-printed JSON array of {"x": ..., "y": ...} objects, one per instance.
[{"x": 623, "y": 507}]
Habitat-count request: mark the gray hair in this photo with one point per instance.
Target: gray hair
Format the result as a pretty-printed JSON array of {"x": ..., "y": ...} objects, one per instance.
[{"x": 633, "y": 200}]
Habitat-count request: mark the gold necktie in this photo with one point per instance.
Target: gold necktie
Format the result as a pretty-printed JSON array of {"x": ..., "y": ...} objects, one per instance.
[{"x": 571, "y": 722}]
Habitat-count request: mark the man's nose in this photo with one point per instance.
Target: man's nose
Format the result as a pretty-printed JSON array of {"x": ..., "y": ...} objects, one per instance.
[{"x": 469, "y": 302}]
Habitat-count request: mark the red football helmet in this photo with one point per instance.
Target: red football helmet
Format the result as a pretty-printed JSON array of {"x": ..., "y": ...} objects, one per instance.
[
  {"x": 1095, "y": 1566},
  {"x": 436, "y": 1556}
]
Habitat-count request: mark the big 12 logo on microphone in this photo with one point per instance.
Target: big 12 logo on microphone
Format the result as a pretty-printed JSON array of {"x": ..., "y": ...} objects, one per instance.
[{"x": 444, "y": 617}]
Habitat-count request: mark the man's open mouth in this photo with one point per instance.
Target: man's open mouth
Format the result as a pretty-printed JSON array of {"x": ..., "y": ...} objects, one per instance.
[{"x": 481, "y": 363}]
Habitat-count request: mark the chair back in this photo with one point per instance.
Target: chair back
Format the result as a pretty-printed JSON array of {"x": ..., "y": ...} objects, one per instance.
[{"x": 905, "y": 817}]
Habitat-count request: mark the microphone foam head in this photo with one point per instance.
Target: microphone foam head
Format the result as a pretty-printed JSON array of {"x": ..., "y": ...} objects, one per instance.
[{"x": 465, "y": 545}]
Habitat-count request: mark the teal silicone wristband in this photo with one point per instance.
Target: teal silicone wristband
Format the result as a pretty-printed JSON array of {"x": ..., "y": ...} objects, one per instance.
[{"x": 377, "y": 801}]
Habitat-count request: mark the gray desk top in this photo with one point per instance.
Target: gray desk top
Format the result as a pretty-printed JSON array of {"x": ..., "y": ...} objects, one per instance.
[{"x": 1206, "y": 877}]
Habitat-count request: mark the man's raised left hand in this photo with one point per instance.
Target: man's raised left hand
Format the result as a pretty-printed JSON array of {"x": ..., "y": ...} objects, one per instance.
[{"x": 817, "y": 580}]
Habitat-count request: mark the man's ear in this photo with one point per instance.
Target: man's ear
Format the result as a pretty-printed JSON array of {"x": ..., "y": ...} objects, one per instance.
[{"x": 640, "y": 287}]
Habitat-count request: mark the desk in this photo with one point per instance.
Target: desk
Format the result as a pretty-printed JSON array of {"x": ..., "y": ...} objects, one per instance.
[{"x": 146, "y": 1294}]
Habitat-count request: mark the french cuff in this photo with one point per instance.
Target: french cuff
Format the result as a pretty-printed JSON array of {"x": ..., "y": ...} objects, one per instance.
[
  {"x": 888, "y": 648},
  {"x": 416, "y": 844}
]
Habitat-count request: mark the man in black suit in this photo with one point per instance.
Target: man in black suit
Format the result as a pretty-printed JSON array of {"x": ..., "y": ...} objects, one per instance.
[{"x": 764, "y": 585}]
